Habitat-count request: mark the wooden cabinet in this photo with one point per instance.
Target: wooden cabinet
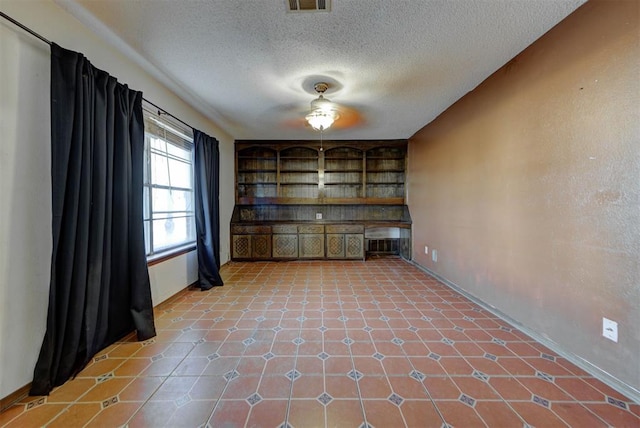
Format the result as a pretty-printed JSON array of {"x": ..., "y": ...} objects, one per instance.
[
  {"x": 285, "y": 241},
  {"x": 297, "y": 201},
  {"x": 311, "y": 242},
  {"x": 251, "y": 242},
  {"x": 345, "y": 241}
]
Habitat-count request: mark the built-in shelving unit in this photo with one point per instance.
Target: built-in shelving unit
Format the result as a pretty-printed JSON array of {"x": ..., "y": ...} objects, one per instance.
[{"x": 295, "y": 200}]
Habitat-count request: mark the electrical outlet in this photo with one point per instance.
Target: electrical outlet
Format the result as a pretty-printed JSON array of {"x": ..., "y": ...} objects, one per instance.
[
  {"x": 318, "y": 216},
  {"x": 434, "y": 255},
  {"x": 426, "y": 249},
  {"x": 610, "y": 329}
]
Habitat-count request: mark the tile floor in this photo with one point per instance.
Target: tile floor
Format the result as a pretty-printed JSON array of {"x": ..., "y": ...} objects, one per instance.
[{"x": 328, "y": 344}]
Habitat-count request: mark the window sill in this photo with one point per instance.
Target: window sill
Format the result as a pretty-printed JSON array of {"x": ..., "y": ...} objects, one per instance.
[{"x": 170, "y": 254}]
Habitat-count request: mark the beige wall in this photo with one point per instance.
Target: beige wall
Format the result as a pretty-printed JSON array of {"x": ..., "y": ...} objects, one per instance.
[
  {"x": 529, "y": 187},
  {"x": 25, "y": 183}
]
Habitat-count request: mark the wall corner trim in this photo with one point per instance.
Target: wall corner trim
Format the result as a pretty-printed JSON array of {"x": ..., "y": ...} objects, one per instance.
[{"x": 585, "y": 365}]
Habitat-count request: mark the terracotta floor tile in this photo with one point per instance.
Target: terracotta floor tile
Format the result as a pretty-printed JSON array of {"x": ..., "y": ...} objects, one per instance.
[
  {"x": 107, "y": 389},
  {"x": 310, "y": 365},
  {"x": 475, "y": 388},
  {"x": 576, "y": 415},
  {"x": 275, "y": 387},
  {"x": 544, "y": 389},
  {"x": 441, "y": 388},
  {"x": 605, "y": 389},
  {"x": 420, "y": 414},
  {"x": 497, "y": 414},
  {"x": 173, "y": 388},
  {"x": 219, "y": 366},
  {"x": 374, "y": 387},
  {"x": 308, "y": 387},
  {"x": 162, "y": 367},
  {"x": 230, "y": 413},
  {"x": 536, "y": 415},
  {"x": 368, "y": 366},
  {"x": 36, "y": 417},
  {"x": 268, "y": 413},
  {"x": 408, "y": 388},
  {"x": 101, "y": 367},
  {"x": 211, "y": 388},
  {"x": 516, "y": 366},
  {"x": 456, "y": 366},
  {"x": 338, "y": 365},
  {"x": 306, "y": 413},
  {"x": 76, "y": 416},
  {"x": 509, "y": 388},
  {"x": 396, "y": 366},
  {"x": 251, "y": 366},
  {"x": 115, "y": 415},
  {"x": 382, "y": 413},
  {"x": 384, "y": 318},
  {"x": 71, "y": 391},
  {"x": 140, "y": 389},
  {"x": 579, "y": 389},
  {"x": 459, "y": 415},
  {"x": 341, "y": 387},
  {"x": 613, "y": 415},
  {"x": 344, "y": 414}
]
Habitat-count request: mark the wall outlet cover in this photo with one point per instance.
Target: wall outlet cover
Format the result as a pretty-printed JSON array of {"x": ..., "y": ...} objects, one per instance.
[
  {"x": 426, "y": 249},
  {"x": 434, "y": 255},
  {"x": 610, "y": 329},
  {"x": 318, "y": 216}
]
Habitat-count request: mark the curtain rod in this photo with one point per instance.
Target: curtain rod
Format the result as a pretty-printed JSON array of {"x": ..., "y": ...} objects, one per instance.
[{"x": 161, "y": 111}]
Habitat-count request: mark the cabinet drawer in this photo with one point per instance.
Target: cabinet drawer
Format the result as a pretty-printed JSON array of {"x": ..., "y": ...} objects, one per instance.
[
  {"x": 345, "y": 228},
  {"x": 285, "y": 228},
  {"x": 311, "y": 229},
  {"x": 247, "y": 230}
]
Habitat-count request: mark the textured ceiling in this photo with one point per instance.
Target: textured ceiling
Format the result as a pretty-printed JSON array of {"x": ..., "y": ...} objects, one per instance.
[{"x": 394, "y": 65}]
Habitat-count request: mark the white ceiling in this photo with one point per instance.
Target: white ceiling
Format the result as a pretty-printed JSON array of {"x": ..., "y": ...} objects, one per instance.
[{"x": 394, "y": 65}]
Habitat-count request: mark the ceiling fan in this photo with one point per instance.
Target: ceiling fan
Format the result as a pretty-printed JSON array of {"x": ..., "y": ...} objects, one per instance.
[
  {"x": 321, "y": 114},
  {"x": 323, "y": 111}
]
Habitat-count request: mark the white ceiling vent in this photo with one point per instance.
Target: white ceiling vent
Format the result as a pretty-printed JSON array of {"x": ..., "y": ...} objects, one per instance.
[{"x": 308, "y": 5}]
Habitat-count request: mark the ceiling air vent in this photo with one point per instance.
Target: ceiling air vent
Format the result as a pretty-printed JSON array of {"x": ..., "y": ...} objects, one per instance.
[{"x": 308, "y": 5}]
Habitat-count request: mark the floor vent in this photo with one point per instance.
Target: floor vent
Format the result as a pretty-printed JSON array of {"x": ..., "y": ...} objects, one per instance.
[{"x": 308, "y": 5}]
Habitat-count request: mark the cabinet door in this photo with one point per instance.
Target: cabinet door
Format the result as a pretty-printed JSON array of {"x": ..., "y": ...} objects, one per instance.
[
  {"x": 311, "y": 246},
  {"x": 354, "y": 246},
  {"x": 241, "y": 247},
  {"x": 261, "y": 246},
  {"x": 335, "y": 245},
  {"x": 285, "y": 246}
]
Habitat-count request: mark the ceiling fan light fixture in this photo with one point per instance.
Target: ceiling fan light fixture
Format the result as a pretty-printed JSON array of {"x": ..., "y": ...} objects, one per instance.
[
  {"x": 321, "y": 120},
  {"x": 322, "y": 113}
]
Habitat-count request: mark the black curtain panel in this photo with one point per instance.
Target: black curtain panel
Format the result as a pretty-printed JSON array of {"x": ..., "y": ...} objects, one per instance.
[
  {"x": 99, "y": 289},
  {"x": 207, "y": 190}
]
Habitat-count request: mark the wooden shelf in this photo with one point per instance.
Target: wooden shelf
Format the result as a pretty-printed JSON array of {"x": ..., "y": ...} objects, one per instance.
[
  {"x": 355, "y": 172},
  {"x": 263, "y": 183},
  {"x": 297, "y": 184}
]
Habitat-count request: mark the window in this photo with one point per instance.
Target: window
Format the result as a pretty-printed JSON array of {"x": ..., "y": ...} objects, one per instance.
[{"x": 169, "y": 221}]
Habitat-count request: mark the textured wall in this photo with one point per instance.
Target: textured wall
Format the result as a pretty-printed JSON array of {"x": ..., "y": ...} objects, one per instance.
[{"x": 529, "y": 187}]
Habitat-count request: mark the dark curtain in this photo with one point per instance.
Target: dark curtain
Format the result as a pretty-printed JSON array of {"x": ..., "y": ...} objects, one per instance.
[
  {"x": 99, "y": 289},
  {"x": 207, "y": 190}
]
